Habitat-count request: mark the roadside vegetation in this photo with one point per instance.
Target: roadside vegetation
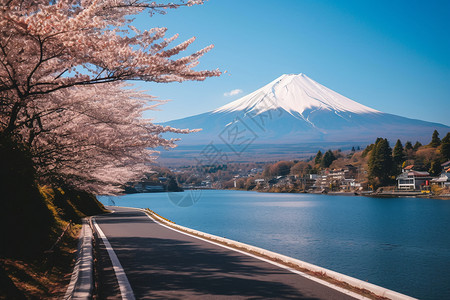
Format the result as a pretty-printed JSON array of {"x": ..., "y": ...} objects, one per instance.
[{"x": 39, "y": 227}]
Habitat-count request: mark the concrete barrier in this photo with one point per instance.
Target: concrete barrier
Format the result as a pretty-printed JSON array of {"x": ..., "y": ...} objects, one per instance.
[
  {"x": 289, "y": 261},
  {"x": 81, "y": 282}
]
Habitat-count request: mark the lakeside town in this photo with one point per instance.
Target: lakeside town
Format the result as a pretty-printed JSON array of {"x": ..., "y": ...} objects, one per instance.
[{"x": 405, "y": 170}]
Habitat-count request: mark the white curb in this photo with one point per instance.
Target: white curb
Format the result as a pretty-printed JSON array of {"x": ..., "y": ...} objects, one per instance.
[{"x": 80, "y": 286}]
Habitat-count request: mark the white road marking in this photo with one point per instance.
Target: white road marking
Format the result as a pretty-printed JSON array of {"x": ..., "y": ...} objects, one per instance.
[
  {"x": 322, "y": 282},
  {"x": 124, "y": 285}
]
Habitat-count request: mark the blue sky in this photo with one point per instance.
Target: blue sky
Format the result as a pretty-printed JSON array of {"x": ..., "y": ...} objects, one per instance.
[{"x": 393, "y": 56}]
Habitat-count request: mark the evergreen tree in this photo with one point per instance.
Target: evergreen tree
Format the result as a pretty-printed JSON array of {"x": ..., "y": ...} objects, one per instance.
[
  {"x": 435, "y": 168},
  {"x": 408, "y": 145},
  {"x": 435, "y": 140},
  {"x": 367, "y": 150},
  {"x": 380, "y": 163},
  {"x": 417, "y": 145},
  {"x": 445, "y": 147},
  {"x": 398, "y": 155},
  {"x": 318, "y": 159},
  {"x": 328, "y": 159}
]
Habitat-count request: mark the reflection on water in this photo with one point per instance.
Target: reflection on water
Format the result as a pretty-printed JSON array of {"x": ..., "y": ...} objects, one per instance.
[{"x": 402, "y": 243}]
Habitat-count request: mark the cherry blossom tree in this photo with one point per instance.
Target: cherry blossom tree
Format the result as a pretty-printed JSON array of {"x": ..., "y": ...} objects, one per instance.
[
  {"x": 62, "y": 70},
  {"x": 98, "y": 139}
]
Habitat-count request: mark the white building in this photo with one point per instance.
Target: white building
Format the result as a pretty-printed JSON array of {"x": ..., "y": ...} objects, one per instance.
[
  {"x": 413, "y": 180},
  {"x": 443, "y": 180}
]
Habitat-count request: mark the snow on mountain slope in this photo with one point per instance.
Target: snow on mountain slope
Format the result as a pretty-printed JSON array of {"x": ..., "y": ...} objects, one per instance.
[{"x": 299, "y": 95}]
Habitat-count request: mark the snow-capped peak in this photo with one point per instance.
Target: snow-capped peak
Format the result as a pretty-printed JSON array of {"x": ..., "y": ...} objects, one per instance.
[{"x": 295, "y": 94}]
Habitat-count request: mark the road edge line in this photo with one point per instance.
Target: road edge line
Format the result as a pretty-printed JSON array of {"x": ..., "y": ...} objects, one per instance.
[
  {"x": 351, "y": 281},
  {"x": 124, "y": 285}
]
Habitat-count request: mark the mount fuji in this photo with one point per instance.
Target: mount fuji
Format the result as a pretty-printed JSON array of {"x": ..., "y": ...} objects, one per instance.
[{"x": 296, "y": 110}]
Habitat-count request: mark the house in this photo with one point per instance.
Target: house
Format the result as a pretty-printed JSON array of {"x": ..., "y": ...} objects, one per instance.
[
  {"x": 407, "y": 168},
  {"x": 206, "y": 183},
  {"x": 443, "y": 180},
  {"x": 321, "y": 182},
  {"x": 308, "y": 181},
  {"x": 342, "y": 179},
  {"x": 413, "y": 180},
  {"x": 350, "y": 185},
  {"x": 259, "y": 181}
]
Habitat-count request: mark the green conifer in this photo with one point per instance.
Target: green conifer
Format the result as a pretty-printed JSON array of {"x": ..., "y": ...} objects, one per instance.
[
  {"x": 417, "y": 145},
  {"x": 435, "y": 140},
  {"x": 435, "y": 168},
  {"x": 328, "y": 159},
  {"x": 445, "y": 147},
  {"x": 318, "y": 159},
  {"x": 398, "y": 155},
  {"x": 408, "y": 145},
  {"x": 380, "y": 163}
]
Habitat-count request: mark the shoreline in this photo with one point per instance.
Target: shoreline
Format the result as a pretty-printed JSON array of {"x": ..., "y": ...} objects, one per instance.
[{"x": 363, "y": 193}]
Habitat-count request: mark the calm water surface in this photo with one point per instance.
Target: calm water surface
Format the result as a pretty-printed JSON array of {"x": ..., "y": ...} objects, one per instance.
[{"x": 401, "y": 243}]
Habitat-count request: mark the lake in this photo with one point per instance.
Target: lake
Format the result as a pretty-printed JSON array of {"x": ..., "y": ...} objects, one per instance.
[{"x": 399, "y": 243}]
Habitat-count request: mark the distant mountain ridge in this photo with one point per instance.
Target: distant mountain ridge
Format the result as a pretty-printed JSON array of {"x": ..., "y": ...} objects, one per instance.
[{"x": 294, "y": 109}]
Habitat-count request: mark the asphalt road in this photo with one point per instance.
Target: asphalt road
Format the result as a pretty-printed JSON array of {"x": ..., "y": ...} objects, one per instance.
[{"x": 164, "y": 264}]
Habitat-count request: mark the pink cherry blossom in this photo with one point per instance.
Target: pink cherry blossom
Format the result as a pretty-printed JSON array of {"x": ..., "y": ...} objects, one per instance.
[{"x": 63, "y": 67}]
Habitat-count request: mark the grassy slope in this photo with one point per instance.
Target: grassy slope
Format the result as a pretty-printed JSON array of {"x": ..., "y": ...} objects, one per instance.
[
  {"x": 27, "y": 268},
  {"x": 32, "y": 218}
]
